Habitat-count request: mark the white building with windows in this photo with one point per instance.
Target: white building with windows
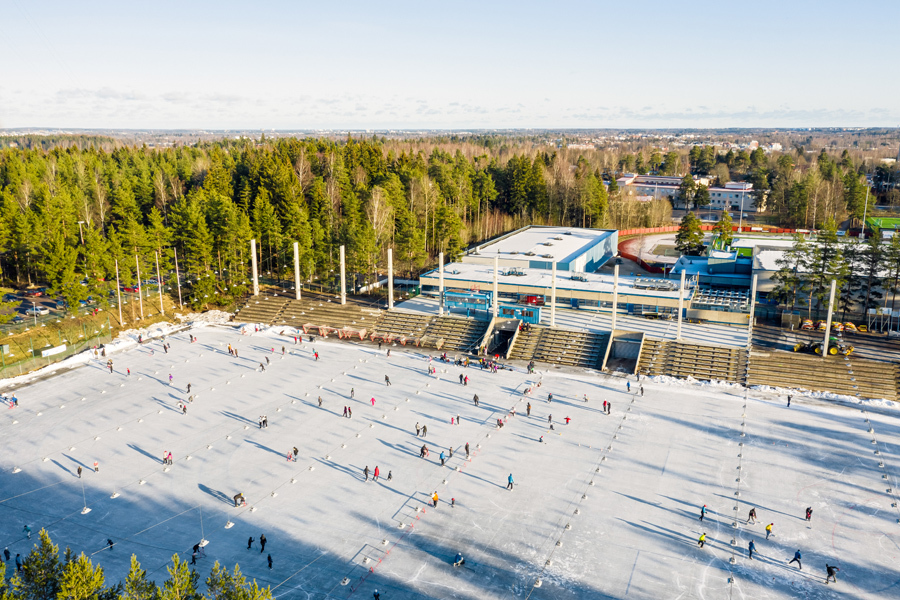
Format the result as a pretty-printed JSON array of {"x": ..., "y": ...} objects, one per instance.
[{"x": 735, "y": 195}]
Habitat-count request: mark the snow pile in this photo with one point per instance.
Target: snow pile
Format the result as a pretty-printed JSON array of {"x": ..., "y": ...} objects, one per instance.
[
  {"x": 779, "y": 391},
  {"x": 210, "y": 317},
  {"x": 681, "y": 382}
]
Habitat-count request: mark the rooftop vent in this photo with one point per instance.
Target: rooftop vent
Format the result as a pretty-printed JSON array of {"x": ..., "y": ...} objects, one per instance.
[
  {"x": 548, "y": 243},
  {"x": 514, "y": 252},
  {"x": 529, "y": 254},
  {"x": 546, "y": 256},
  {"x": 557, "y": 238}
]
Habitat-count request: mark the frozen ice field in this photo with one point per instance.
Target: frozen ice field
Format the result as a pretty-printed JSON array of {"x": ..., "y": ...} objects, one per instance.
[{"x": 606, "y": 507}]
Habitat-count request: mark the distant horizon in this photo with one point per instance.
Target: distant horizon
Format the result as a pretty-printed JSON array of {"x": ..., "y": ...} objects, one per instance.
[
  {"x": 596, "y": 64},
  {"x": 454, "y": 129}
]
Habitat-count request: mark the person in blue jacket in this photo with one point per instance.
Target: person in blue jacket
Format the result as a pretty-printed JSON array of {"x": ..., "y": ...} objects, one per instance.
[
  {"x": 510, "y": 482},
  {"x": 797, "y": 558}
]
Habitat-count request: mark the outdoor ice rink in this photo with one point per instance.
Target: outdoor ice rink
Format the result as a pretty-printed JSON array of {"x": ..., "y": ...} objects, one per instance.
[{"x": 606, "y": 507}]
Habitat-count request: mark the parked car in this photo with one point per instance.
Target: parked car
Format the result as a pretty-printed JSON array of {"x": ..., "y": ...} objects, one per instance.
[
  {"x": 130, "y": 289},
  {"x": 37, "y": 311},
  {"x": 33, "y": 293},
  {"x": 86, "y": 301},
  {"x": 17, "y": 319},
  {"x": 10, "y": 297}
]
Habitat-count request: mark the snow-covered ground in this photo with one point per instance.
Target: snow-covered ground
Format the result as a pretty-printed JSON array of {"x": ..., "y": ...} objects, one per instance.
[{"x": 606, "y": 507}]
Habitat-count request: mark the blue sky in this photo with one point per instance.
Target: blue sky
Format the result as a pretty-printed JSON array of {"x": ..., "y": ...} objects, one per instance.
[{"x": 459, "y": 65}]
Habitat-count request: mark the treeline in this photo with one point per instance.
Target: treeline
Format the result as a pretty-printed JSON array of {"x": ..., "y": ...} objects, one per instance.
[
  {"x": 44, "y": 575},
  {"x": 71, "y": 213},
  {"x": 864, "y": 270}
]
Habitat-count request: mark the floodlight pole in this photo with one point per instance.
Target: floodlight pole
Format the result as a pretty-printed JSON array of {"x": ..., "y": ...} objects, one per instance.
[
  {"x": 862, "y": 231},
  {"x": 178, "y": 278},
  {"x": 828, "y": 322},
  {"x": 343, "y": 277},
  {"x": 390, "y": 258},
  {"x": 440, "y": 284},
  {"x": 119, "y": 294},
  {"x": 140, "y": 296},
  {"x": 752, "y": 309},
  {"x": 162, "y": 309},
  {"x": 253, "y": 271},
  {"x": 296, "y": 270},
  {"x": 680, "y": 305},
  {"x": 496, "y": 284},
  {"x": 615, "y": 304},
  {"x": 553, "y": 297}
]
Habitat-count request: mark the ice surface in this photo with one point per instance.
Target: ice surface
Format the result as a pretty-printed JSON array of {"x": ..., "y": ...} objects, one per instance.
[{"x": 632, "y": 534}]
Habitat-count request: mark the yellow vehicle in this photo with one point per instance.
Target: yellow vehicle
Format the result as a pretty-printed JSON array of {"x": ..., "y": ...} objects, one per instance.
[
  {"x": 821, "y": 325},
  {"x": 807, "y": 325},
  {"x": 863, "y": 329},
  {"x": 837, "y": 326},
  {"x": 835, "y": 347},
  {"x": 850, "y": 327}
]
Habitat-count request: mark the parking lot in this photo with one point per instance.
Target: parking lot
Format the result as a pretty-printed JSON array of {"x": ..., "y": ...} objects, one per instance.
[{"x": 36, "y": 307}]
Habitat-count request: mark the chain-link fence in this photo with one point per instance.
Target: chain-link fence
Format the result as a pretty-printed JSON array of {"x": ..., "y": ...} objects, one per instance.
[
  {"x": 41, "y": 340},
  {"x": 47, "y": 344}
]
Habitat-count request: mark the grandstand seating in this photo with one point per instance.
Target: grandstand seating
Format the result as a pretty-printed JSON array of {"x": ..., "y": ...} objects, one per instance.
[
  {"x": 455, "y": 333},
  {"x": 402, "y": 324},
  {"x": 320, "y": 312},
  {"x": 837, "y": 374},
  {"x": 261, "y": 309},
  {"x": 678, "y": 359},
  {"x": 560, "y": 346}
]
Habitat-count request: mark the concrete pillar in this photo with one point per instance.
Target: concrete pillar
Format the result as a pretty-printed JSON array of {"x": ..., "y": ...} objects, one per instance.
[
  {"x": 390, "y": 279},
  {"x": 496, "y": 296},
  {"x": 752, "y": 309},
  {"x": 139, "y": 287},
  {"x": 615, "y": 306},
  {"x": 441, "y": 284},
  {"x": 828, "y": 322},
  {"x": 553, "y": 297},
  {"x": 680, "y": 305},
  {"x": 343, "y": 278},
  {"x": 296, "y": 270},
  {"x": 253, "y": 272}
]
